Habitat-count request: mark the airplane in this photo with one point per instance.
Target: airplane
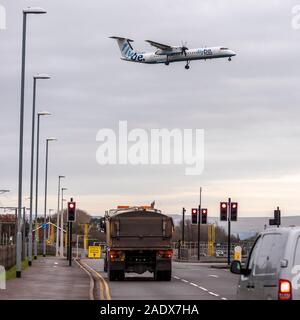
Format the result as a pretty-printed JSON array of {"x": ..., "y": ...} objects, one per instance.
[{"x": 167, "y": 54}]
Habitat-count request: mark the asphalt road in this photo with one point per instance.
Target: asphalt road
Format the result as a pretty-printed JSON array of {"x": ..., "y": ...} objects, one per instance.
[{"x": 189, "y": 281}]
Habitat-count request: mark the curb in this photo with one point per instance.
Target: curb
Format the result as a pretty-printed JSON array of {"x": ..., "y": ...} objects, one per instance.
[{"x": 92, "y": 284}]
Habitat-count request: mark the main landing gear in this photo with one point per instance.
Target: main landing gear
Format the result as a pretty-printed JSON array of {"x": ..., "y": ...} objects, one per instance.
[{"x": 187, "y": 65}]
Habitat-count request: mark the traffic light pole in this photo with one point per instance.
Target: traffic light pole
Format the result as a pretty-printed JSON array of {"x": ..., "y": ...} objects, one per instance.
[
  {"x": 229, "y": 231},
  {"x": 181, "y": 243},
  {"x": 183, "y": 212},
  {"x": 70, "y": 243},
  {"x": 199, "y": 221}
]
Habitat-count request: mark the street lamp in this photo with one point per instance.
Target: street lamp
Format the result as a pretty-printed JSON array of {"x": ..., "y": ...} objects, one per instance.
[
  {"x": 4, "y": 191},
  {"x": 57, "y": 216},
  {"x": 34, "y": 10},
  {"x": 43, "y": 113},
  {"x": 46, "y": 182},
  {"x": 35, "y": 78},
  {"x": 26, "y": 11},
  {"x": 62, "y": 223}
]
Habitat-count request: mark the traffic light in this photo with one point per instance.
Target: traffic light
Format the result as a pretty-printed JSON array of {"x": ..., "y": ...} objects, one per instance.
[
  {"x": 277, "y": 217},
  {"x": 71, "y": 211},
  {"x": 194, "y": 216},
  {"x": 204, "y": 216},
  {"x": 234, "y": 210},
  {"x": 223, "y": 211}
]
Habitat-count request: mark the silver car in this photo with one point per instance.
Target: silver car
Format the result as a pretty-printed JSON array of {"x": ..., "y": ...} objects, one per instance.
[{"x": 272, "y": 271}]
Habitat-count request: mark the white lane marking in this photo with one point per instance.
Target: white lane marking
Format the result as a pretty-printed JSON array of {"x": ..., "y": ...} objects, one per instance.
[
  {"x": 202, "y": 288},
  {"x": 213, "y": 276},
  {"x": 184, "y": 280},
  {"x": 175, "y": 277},
  {"x": 213, "y": 294}
]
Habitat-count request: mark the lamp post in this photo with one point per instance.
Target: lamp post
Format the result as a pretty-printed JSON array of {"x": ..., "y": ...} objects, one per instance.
[
  {"x": 62, "y": 223},
  {"x": 4, "y": 191},
  {"x": 26, "y": 11},
  {"x": 58, "y": 216},
  {"x": 35, "y": 78},
  {"x": 43, "y": 113},
  {"x": 46, "y": 186}
]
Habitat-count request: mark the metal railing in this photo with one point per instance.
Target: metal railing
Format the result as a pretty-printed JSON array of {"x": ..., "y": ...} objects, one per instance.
[
  {"x": 189, "y": 250},
  {"x": 7, "y": 256}
]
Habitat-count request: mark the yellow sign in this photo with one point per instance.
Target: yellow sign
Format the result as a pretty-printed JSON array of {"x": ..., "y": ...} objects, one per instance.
[
  {"x": 94, "y": 252},
  {"x": 238, "y": 253}
]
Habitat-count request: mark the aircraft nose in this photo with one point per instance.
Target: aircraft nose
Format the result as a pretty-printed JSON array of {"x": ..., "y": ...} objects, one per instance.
[{"x": 232, "y": 53}]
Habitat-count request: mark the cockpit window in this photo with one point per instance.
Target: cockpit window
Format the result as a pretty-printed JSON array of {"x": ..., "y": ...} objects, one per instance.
[{"x": 223, "y": 48}]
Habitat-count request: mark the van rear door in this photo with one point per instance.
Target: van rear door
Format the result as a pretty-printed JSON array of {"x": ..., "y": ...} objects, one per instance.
[
  {"x": 267, "y": 265},
  {"x": 295, "y": 277}
]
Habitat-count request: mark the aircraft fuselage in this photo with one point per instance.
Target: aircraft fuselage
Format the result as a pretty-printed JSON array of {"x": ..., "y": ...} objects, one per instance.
[{"x": 191, "y": 54}]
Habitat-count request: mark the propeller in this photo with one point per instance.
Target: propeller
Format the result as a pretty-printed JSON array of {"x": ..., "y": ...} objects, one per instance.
[{"x": 184, "y": 48}]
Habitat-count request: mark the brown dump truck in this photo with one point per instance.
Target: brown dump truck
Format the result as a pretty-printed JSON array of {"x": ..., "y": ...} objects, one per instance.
[{"x": 138, "y": 240}]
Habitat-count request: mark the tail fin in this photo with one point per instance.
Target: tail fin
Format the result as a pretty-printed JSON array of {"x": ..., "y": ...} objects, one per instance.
[{"x": 125, "y": 47}]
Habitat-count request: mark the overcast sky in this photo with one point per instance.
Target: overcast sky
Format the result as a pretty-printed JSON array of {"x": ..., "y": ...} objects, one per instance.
[{"x": 249, "y": 107}]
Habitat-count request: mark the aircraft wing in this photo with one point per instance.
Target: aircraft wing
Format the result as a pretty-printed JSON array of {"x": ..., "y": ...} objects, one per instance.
[{"x": 159, "y": 45}]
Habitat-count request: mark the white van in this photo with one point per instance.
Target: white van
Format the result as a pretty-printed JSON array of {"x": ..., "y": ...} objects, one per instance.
[{"x": 272, "y": 271}]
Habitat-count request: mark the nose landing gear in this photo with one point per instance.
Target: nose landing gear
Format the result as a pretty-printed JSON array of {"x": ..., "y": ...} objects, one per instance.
[
  {"x": 187, "y": 65},
  {"x": 229, "y": 59}
]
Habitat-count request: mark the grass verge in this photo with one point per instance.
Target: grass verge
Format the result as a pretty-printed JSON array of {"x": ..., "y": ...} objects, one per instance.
[{"x": 11, "y": 273}]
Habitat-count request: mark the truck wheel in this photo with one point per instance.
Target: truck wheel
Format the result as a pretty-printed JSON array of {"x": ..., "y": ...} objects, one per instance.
[
  {"x": 105, "y": 266},
  {"x": 112, "y": 275},
  {"x": 121, "y": 275},
  {"x": 167, "y": 275},
  {"x": 158, "y": 275},
  {"x": 163, "y": 275}
]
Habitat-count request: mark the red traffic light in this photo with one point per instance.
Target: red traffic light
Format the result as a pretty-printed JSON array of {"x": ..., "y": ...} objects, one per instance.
[
  {"x": 234, "y": 211},
  {"x": 223, "y": 211},
  {"x": 71, "y": 211},
  {"x": 71, "y": 205},
  {"x": 204, "y": 216},
  {"x": 194, "y": 216}
]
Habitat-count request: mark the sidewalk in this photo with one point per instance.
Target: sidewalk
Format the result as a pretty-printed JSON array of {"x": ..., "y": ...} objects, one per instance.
[{"x": 49, "y": 278}]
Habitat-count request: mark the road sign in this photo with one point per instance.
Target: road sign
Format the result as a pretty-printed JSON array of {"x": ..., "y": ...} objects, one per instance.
[
  {"x": 238, "y": 253},
  {"x": 94, "y": 252}
]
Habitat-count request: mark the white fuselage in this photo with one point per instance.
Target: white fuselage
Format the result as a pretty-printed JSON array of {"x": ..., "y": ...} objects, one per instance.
[{"x": 190, "y": 54}]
